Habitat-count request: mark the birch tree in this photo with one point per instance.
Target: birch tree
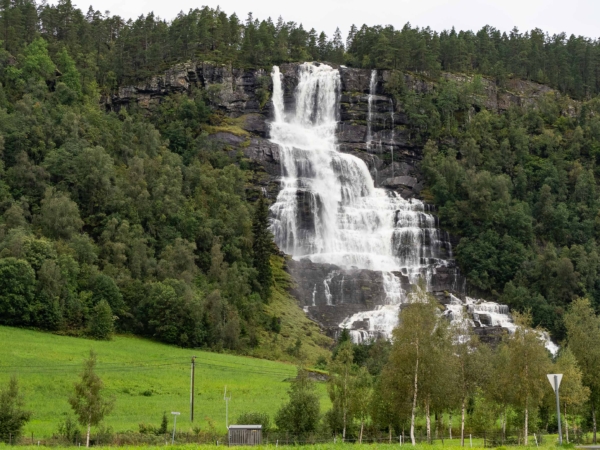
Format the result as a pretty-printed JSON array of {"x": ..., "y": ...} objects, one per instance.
[
  {"x": 528, "y": 364},
  {"x": 414, "y": 345},
  {"x": 583, "y": 338},
  {"x": 360, "y": 398},
  {"x": 573, "y": 393},
  {"x": 471, "y": 363},
  {"x": 88, "y": 401},
  {"x": 340, "y": 384}
]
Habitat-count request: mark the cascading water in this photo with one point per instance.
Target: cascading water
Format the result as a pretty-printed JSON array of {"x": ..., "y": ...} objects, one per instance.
[
  {"x": 329, "y": 212},
  {"x": 328, "y": 209},
  {"x": 372, "y": 90}
]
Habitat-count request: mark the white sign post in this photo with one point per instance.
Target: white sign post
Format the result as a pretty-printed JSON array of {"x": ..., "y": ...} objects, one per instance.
[
  {"x": 555, "y": 379},
  {"x": 174, "y": 425}
]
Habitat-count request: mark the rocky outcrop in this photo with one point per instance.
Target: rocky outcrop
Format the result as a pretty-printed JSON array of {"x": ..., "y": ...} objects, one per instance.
[
  {"x": 243, "y": 94},
  {"x": 328, "y": 293}
]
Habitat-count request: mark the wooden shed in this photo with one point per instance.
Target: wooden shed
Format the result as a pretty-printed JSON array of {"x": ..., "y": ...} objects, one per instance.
[{"x": 245, "y": 434}]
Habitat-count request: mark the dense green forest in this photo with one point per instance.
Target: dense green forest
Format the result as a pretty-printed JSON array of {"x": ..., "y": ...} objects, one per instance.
[
  {"x": 147, "y": 217},
  {"x": 520, "y": 190},
  {"x": 100, "y": 219}
]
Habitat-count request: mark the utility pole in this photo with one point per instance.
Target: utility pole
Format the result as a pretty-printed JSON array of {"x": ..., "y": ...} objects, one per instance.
[
  {"x": 555, "y": 379},
  {"x": 226, "y": 407},
  {"x": 192, "y": 389}
]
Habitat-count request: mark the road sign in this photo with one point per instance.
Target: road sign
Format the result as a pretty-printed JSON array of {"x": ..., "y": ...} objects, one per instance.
[
  {"x": 554, "y": 379},
  {"x": 558, "y": 379}
]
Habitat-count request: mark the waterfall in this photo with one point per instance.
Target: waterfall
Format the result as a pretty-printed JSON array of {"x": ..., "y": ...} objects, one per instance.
[
  {"x": 392, "y": 133},
  {"x": 328, "y": 209},
  {"x": 372, "y": 90}
]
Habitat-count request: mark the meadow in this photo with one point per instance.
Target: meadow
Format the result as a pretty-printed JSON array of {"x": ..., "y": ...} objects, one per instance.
[{"x": 145, "y": 378}]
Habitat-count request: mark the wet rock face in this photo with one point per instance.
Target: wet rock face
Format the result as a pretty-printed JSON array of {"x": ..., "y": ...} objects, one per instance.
[{"x": 329, "y": 294}]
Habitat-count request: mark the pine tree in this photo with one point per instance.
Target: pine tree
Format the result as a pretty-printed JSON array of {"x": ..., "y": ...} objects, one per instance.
[
  {"x": 12, "y": 415},
  {"x": 262, "y": 246},
  {"x": 87, "y": 401},
  {"x": 102, "y": 322}
]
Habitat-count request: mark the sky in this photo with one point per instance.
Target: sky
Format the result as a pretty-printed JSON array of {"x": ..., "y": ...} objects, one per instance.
[{"x": 579, "y": 17}]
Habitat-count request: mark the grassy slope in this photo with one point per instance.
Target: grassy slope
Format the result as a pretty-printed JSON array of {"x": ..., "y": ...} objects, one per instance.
[
  {"x": 47, "y": 366},
  {"x": 294, "y": 324}
]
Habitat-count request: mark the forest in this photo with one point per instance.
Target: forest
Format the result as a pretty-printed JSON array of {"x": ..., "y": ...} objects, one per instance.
[
  {"x": 116, "y": 51},
  {"x": 143, "y": 218},
  {"x": 139, "y": 223}
]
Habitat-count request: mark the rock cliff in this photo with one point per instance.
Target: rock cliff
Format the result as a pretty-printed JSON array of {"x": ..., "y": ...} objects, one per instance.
[{"x": 381, "y": 140}]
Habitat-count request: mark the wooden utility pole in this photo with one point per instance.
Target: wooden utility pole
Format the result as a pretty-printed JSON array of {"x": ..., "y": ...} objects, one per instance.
[{"x": 192, "y": 389}]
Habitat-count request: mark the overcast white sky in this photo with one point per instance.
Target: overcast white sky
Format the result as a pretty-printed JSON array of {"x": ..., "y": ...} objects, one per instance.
[{"x": 579, "y": 17}]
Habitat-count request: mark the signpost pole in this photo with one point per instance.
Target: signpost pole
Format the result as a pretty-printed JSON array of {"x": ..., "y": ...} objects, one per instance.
[
  {"x": 560, "y": 440},
  {"x": 555, "y": 379},
  {"x": 175, "y": 414}
]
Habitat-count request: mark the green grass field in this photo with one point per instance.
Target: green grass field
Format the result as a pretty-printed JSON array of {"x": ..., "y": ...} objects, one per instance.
[{"x": 146, "y": 378}]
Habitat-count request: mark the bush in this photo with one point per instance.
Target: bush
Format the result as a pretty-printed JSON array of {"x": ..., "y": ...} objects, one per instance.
[
  {"x": 255, "y": 418},
  {"x": 102, "y": 323},
  {"x": 69, "y": 431},
  {"x": 301, "y": 415}
]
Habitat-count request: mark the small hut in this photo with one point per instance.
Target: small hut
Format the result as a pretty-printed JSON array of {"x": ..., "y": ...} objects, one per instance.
[{"x": 245, "y": 435}]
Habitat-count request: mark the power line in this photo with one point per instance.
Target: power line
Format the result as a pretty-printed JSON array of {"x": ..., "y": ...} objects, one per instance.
[{"x": 246, "y": 368}]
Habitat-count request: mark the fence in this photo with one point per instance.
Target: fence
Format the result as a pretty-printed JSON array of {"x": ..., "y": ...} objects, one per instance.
[{"x": 490, "y": 439}]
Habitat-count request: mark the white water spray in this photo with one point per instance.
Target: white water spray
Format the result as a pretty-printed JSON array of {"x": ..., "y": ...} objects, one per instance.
[{"x": 328, "y": 209}]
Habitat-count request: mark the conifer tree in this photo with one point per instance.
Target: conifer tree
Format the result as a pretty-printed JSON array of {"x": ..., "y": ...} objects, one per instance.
[
  {"x": 262, "y": 245},
  {"x": 13, "y": 416}
]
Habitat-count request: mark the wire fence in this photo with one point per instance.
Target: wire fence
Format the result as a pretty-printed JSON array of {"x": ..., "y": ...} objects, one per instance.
[{"x": 490, "y": 439}]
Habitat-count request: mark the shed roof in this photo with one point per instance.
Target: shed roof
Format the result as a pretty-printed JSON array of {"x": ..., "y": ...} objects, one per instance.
[{"x": 245, "y": 427}]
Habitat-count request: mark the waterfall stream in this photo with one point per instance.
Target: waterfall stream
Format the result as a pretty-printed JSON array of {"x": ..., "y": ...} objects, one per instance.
[{"x": 329, "y": 211}]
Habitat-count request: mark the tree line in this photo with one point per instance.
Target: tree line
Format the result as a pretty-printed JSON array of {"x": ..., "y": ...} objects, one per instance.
[
  {"x": 113, "y": 50},
  {"x": 437, "y": 375}
]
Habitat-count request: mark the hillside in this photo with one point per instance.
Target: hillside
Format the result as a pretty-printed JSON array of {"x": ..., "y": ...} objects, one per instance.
[{"x": 146, "y": 379}]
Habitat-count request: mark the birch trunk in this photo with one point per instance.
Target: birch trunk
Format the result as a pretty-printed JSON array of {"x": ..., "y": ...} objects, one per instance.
[
  {"x": 450, "y": 426},
  {"x": 428, "y": 421},
  {"x": 594, "y": 421},
  {"x": 525, "y": 436},
  {"x": 566, "y": 425},
  {"x": 87, "y": 439},
  {"x": 414, "y": 405},
  {"x": 503, "y": 426},
  {"x": 362, "y": 425},
  {"x": 462, "y": 423}
]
